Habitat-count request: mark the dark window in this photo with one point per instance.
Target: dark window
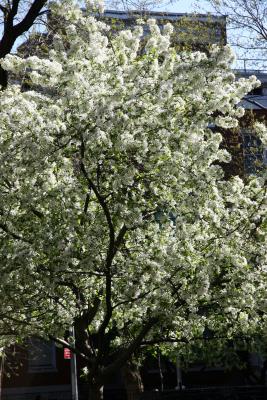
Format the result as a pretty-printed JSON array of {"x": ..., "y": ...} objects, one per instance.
[{"x": 41, "y": 356}]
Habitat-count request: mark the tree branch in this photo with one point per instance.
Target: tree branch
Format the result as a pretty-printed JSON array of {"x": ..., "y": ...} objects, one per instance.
[
  {"x": 80, "y": 299},
  {"x": 111, "y": 246},
  {"x": 126, "y": 354},
  {"x": 9, "y": 21},
  {"x": 66, "y": 344},
  {"x": 11, "y": 32},
  {"x": 29, "y": 18},
  {"x": 12, "y": 234},
  {"x": 4, "y": 10}
]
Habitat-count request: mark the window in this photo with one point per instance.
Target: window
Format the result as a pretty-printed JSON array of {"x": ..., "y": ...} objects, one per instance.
[
  {"x": 254, "y": 153},
  {"x": 41, "y": 356}
]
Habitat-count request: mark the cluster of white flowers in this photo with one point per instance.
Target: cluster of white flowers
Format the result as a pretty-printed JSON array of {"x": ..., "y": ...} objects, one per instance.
[
  {"x": 261, "y": 131},
  {"x": 110, "y": 173}
]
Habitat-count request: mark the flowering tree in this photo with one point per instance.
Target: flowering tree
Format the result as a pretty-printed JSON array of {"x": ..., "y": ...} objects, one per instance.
[{"x": 114, "y": 213}]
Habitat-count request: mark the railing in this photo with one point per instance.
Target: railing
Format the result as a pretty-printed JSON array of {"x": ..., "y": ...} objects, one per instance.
[{"x": 252, "y": 65}]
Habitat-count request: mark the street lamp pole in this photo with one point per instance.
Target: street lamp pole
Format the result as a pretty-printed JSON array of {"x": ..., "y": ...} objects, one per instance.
[
  {"x": 178, "y": 374},
  {"x": 2, "y": 361},
  {"x": 73, "y": 368}
]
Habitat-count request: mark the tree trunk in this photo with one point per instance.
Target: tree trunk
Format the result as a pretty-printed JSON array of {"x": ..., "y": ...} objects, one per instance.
[
  {"x": 95, "y": 391},
  {"x": 3, "y": 78},
  {"x": 132, "y": 381}
]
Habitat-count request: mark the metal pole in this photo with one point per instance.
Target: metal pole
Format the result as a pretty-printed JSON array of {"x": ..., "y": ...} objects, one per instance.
[
  {"x": 1, "y": 372},
  {"x": 160, "y": 373},
  {"x": 178, "y": 374},
  {"x": 73, "y": 368}
]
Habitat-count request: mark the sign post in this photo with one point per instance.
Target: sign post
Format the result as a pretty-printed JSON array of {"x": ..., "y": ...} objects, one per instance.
[
  {"x": 178, "y": 374},
  {"x": 2, "y": 360},
  {"x": 73, "y": 367}
]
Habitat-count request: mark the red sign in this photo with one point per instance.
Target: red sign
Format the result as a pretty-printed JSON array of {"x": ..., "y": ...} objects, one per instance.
[{"x": 67, "y": 353}]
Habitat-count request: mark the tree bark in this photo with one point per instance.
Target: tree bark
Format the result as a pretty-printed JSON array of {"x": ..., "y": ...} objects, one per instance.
[
  {"x": 95, "y": 392},
  {"x": 6, "y": 45},
  {"x": 3, "y": 78},
  {"x": 132, "y": 381}
]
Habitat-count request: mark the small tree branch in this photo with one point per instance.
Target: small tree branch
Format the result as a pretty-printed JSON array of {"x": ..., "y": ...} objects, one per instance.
[
  {"x": 4, "y": 10},
  {"x": 80, "y": 299},
  {"x": 9, "y": 20},
  {"x": 14, "y": 235}
]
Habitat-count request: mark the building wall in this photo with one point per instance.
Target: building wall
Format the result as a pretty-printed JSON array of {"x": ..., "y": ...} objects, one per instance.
[{"x": 25, "y": 379}]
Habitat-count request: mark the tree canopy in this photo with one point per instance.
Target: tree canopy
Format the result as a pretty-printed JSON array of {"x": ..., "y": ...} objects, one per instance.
[{"x": 115, "y": 216}]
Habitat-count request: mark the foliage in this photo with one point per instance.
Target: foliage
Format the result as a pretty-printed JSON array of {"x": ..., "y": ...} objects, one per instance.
[{"x": 114, "y": 212}]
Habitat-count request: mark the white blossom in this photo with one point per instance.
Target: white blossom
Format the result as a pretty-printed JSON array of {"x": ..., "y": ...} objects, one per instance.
[{"x": 112, "y": 193}]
